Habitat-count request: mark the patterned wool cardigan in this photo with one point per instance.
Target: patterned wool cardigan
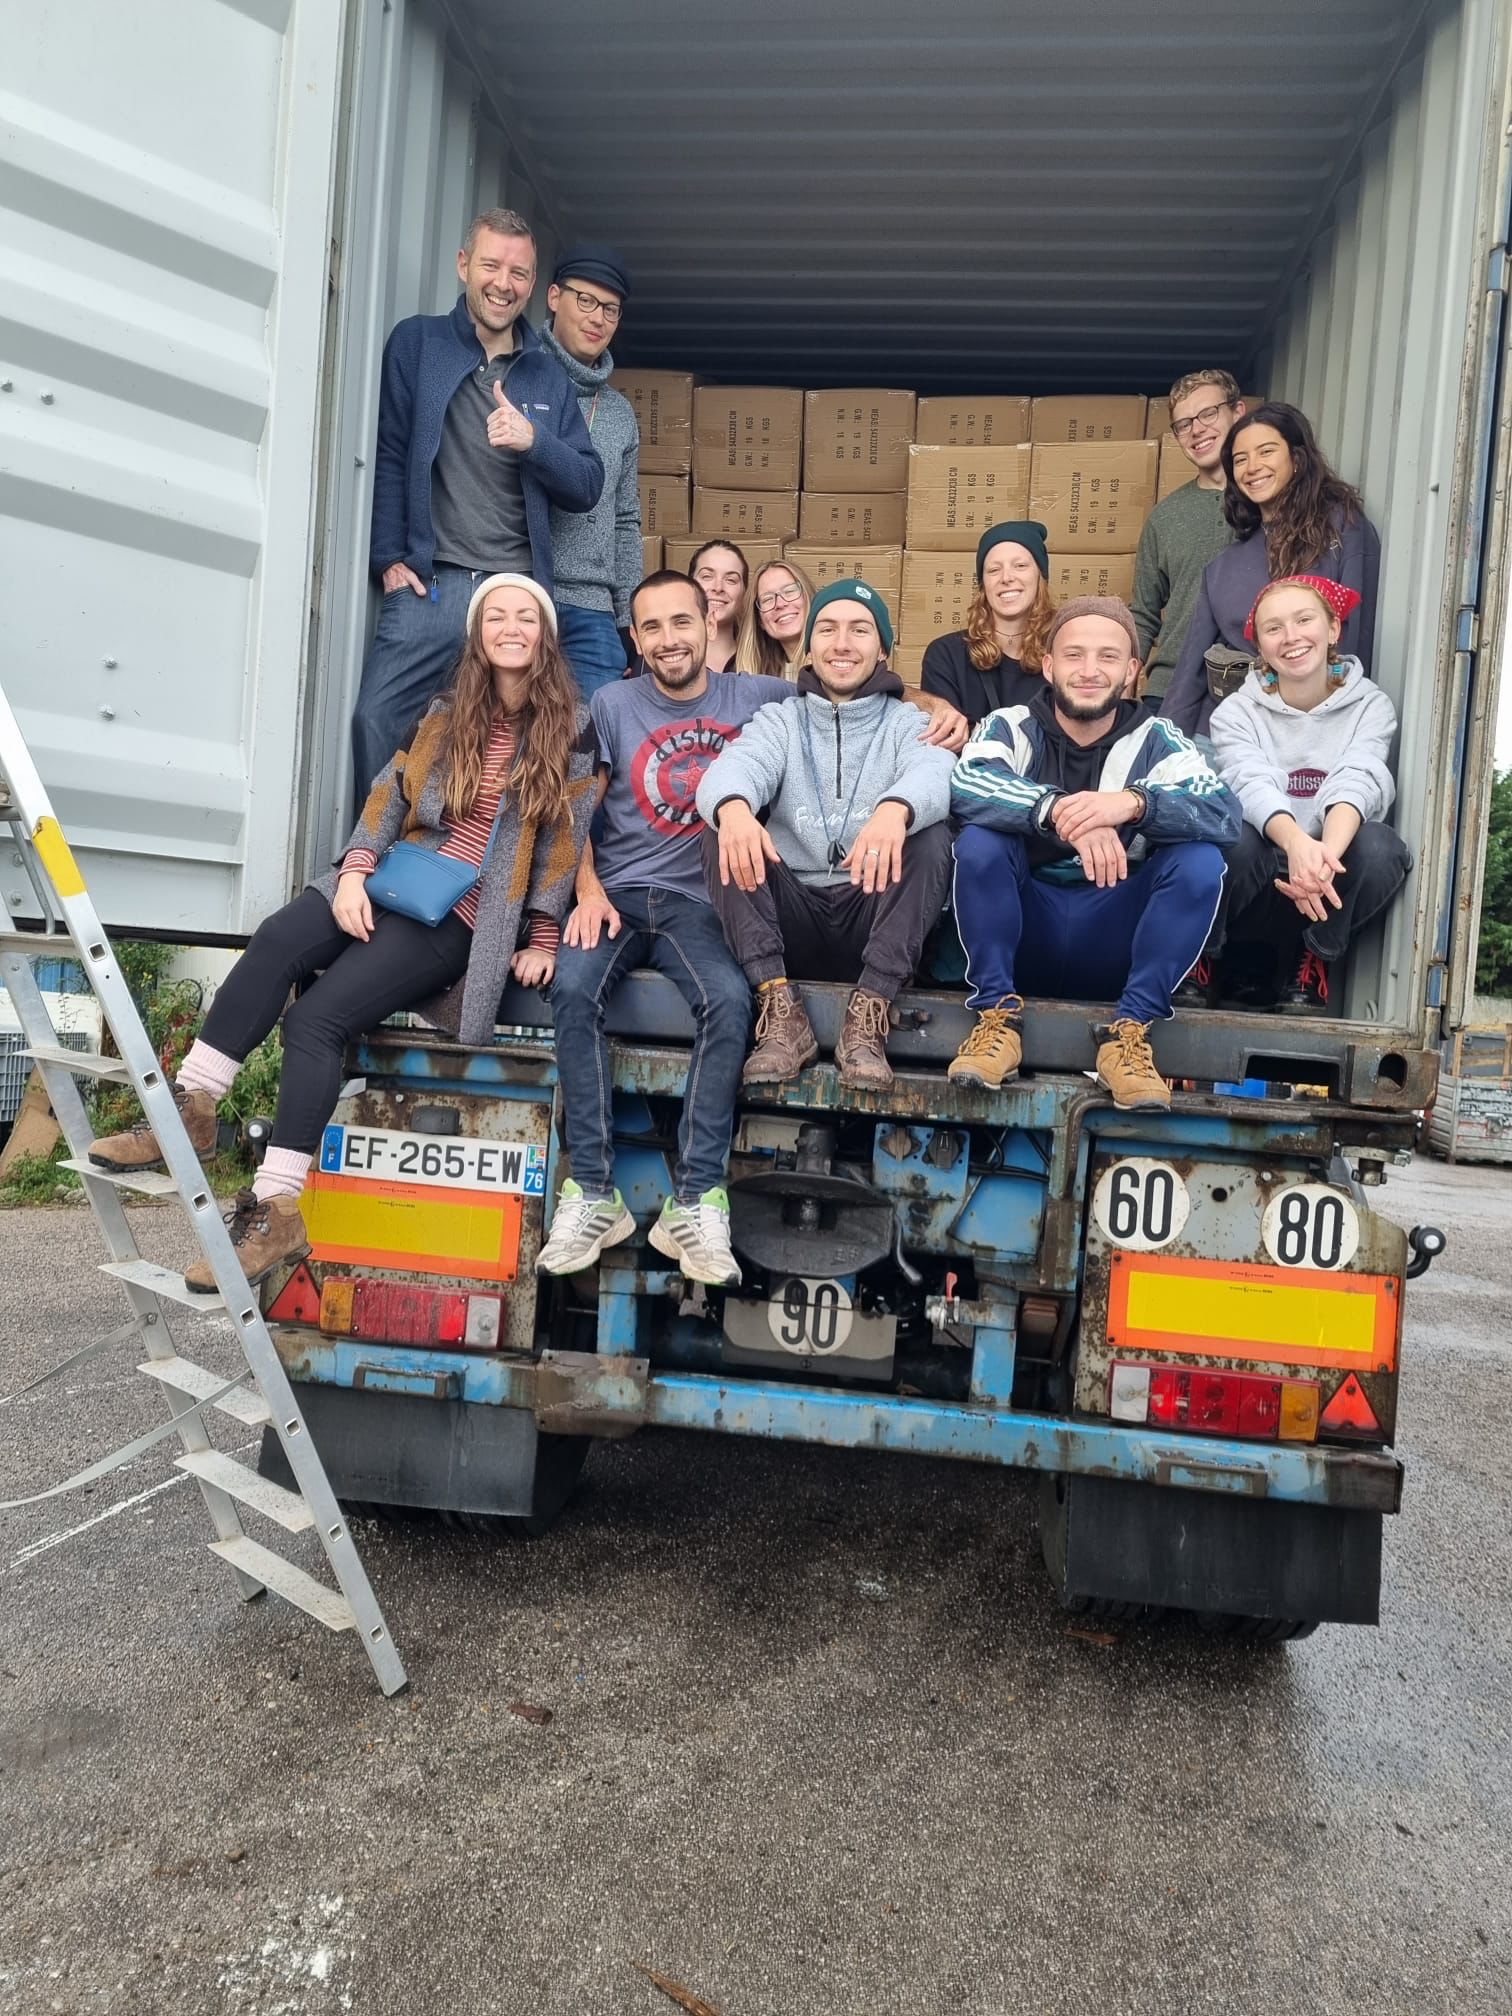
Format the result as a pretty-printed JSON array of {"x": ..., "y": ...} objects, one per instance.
[{"x": 530, "y": 869}]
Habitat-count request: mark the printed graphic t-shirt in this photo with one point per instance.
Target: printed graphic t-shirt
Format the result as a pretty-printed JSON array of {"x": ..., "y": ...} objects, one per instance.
[{"x": 656, "y": 750}]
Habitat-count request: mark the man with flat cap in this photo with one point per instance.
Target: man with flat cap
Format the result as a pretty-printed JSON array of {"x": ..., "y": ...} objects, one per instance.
[
  {"x": 479, "y": 438},
  {"x": 596, "y": 555}
]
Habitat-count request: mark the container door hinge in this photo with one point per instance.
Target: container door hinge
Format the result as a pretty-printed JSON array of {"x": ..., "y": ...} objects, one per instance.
[{"x": 1467, "y": 628}]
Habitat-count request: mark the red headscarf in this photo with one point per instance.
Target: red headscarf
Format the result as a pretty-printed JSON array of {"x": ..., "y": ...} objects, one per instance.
[{"x": 1334, "y": 595}]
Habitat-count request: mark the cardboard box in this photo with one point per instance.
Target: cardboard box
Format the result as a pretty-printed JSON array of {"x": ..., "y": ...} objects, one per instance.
[
  {"x": 937, "y": 589},
  {"x": 856, "y": 518},
  {"x": 1093, "y": 498},
  {"x": 663, "y": 402},
  {"x": 1157, "y": 419},
  {"x": 748, "y": 437},
  {"x": 907, "y": 661},
  {"x": 679, "y": 552},
  {"x": 988, "y": 422},
  {"x": 665, "y": 505},
  {"x": 742, "y": 514},
  {"x": 1091, "y": 416},
  {"x": 1091, "y": 574},
  {"x": 954, "y": 494},
  {"x": 1175, "y": 470},
  {"x": 857, "y": 439},
  {"x": 881, "y": 567},
  {"x": 651, "y": 555}
]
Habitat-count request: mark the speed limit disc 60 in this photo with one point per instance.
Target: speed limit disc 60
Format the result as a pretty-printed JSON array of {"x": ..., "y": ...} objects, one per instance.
[{"x": 1141, "y": 1203}]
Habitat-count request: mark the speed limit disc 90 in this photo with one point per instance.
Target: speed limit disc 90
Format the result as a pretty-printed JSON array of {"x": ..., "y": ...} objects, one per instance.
[{"x": 1141, "y": 1204}]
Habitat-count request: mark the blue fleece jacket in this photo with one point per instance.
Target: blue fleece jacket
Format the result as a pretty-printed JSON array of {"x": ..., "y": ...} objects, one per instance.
[{"x": 424, "y": 361}]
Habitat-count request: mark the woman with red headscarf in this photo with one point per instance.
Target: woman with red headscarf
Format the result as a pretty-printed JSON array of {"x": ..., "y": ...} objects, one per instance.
[{"x": 1305, "y": 745}]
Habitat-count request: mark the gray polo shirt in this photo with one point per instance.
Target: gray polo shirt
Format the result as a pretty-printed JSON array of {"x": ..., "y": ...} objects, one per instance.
[{"x": 477, "y": 504}]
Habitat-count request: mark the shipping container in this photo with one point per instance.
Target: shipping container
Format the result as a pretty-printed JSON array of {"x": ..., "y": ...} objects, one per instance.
[{"x": 215, "y": 209}]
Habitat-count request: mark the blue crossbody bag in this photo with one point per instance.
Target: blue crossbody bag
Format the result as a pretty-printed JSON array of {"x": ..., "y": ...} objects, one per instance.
[{"x": 420, "y": 883}]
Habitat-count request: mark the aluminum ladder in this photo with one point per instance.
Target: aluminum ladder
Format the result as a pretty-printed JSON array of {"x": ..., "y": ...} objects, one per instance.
[{"x": 71, "y": 928}]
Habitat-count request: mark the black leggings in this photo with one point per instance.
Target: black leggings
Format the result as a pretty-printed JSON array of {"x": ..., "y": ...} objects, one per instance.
[{"x": 402, "y": 963}]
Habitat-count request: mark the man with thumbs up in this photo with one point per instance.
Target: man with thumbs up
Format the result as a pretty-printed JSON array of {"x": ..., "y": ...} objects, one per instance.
[{"x": 479, "y": 435}]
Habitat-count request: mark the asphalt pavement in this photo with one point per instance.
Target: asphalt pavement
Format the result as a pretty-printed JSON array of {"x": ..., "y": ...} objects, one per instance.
[{"x": 819, "y": 1741}]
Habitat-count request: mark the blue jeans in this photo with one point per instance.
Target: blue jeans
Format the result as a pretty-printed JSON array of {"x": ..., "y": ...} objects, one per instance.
[
  {"x": 680, "y": 937},
  {"x": 418, "y": 641},
  {"x": 1136, "y": 941},
  {"x": 591, "y": 645}
]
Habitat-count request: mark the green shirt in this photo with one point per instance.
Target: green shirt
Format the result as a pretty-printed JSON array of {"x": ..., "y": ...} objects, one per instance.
[{"x": 1180, "y": 536}]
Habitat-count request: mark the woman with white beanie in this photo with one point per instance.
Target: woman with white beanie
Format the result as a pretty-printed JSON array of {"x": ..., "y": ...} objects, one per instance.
[{"x": 457, "y": 874}]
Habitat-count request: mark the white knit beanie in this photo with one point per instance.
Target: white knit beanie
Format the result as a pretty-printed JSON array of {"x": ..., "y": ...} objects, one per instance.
[{"x": 548, "y": 608}]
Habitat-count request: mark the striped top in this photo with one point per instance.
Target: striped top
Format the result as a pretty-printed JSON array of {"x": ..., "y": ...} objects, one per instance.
[{"x": 467, "y": 839}]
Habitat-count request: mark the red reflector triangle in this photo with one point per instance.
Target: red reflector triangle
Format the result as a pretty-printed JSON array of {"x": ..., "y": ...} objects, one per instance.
[
  {"x": 298, "y": 1301},
  {"x": 1349, "y": 1412}
]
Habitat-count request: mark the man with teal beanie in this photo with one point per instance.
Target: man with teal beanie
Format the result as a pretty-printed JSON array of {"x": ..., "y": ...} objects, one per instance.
[{"x": 827, "y": 855}]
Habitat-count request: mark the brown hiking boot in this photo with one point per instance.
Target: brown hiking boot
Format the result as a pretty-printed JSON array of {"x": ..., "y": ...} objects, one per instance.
[
  {"x": 137, "y": 1148},
  {"x": 785, "y": 1040},
  {"x": 1126, "y": 1065},
  {"x": 264, "y": 1235},
  {"x": 861, "y": 1047},
  {"x": 993, "y": 1051}
]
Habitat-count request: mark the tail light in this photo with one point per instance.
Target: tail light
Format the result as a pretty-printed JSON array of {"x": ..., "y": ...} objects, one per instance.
[{"x": 1214, "y": 1403}]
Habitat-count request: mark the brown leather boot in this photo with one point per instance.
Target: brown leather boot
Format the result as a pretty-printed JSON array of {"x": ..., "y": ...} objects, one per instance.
[
  {"x": 137, "y": 1148},
  {"x": 1126, "y": 1065},
  {"x": 861, "y": 1047},
  {"x": 785, "y": 1040},
  {"x": 264, "y": 1235}
]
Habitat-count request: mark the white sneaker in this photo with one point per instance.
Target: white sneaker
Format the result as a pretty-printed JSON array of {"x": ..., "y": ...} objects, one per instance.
[
  {"x": 581, "y": 1228},
  {"x": 697, "y": 1237}
]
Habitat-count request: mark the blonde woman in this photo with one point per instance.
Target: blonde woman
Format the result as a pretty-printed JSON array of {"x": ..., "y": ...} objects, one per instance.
[{"x": 497, "y": 780}]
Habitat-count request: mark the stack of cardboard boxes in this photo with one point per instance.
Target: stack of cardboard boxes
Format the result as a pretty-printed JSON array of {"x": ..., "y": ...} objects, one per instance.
[{"x": 874, "y": 482}]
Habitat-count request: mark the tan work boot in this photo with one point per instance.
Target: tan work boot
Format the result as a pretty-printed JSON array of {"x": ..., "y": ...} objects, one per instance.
[
  {"x": 1126, "y": 1065},
  {"x": 861, "y": 1046},
  {"x": 785, "y": 1039},
  {"x": 994, "y": 1050},
  {"x": 264, "y": 1235},
  {"x": 137, "y": 1148}
]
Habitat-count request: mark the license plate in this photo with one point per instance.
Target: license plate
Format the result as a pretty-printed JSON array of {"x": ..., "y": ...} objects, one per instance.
[{"x": 395, "y": 1155}]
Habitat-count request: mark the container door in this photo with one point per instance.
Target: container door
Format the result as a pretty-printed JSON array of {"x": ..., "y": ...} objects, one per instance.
[{"x": 164, "y": 236}]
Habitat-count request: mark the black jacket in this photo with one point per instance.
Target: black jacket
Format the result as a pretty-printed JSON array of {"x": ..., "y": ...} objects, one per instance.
[{"x": 948, "y": 671}]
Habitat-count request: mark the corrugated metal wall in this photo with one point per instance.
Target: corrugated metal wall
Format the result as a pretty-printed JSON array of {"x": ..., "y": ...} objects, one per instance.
[
  {"x": 162, "y": 263},
  {"x": 1371, "y": 344}
]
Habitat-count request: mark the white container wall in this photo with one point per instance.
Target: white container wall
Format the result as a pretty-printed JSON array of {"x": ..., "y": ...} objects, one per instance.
[{"x": 165, "y": 172}]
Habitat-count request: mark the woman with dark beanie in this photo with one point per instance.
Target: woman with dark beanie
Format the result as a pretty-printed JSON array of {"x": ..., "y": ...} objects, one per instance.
[
  {"x": 995, "y": 661},
  {"x": 1290, "y": 514}
]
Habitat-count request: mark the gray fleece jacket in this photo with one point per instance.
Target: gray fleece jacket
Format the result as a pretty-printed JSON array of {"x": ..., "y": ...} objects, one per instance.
[
  {"x": 824, "y": 769},
  {"x": 596, "y": 555},
  {"x": 1278, "y": 758}
]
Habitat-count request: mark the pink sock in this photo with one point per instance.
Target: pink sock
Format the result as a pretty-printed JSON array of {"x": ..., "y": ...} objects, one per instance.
[
  {"x": 282, "y": 1173},
  {"x": 207, "y": 1070}
]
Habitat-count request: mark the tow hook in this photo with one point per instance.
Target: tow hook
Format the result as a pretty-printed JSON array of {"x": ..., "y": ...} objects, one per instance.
[{"x": 1427, "y": 1242}]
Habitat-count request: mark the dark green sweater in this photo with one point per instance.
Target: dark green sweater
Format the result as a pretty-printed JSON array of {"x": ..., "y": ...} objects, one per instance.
[{"x": 1180, "y": 536}]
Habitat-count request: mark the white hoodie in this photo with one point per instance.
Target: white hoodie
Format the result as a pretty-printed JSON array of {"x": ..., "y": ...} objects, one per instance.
[{"x": 1279, "y": 758}]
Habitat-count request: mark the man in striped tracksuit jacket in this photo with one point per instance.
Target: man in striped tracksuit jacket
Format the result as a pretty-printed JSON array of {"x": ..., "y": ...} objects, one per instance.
[{"x": 1088, "y": 865}]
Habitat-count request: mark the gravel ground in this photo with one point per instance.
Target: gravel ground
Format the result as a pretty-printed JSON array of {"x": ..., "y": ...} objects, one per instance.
[{"x": 820, "y": 1742}]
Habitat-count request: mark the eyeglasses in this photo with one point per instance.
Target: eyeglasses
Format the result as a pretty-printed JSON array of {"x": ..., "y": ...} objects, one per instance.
[
  {"x": 780, "y": 598},
  {"x": 1181, "y": 428},
  {"x": 591, "y": 304}
]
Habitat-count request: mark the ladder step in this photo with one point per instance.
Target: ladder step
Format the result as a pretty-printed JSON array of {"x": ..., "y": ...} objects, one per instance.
[
  {"x": 39, "y": 944},
  {"x": 151, "y": 1182},
  {"x": 161, "y": 1281},
  {"x": 326, "y": 1605},
  {"x": 261, "y": 1494},
  {"x": 198, "y": 1384},
  {"x": 86, "y": 1063}
]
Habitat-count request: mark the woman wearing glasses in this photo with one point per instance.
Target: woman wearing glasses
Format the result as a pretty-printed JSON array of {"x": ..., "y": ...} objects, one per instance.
[
  {"x": 1290, "y": 514},
  {"x": 720, "y": 570}
]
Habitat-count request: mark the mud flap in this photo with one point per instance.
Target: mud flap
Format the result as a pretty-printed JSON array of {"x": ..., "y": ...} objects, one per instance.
[
  {"x": 1122, "y": 1542},
  {"x": 442, "y": 1455}
]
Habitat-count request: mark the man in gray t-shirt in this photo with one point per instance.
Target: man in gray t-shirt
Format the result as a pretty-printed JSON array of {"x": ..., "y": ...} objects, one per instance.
[
  {"x": 477, "y": 498},
  {"x": 642, "y": 902}
]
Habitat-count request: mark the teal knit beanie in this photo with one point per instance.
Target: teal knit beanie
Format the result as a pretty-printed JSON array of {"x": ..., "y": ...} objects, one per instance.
[
  {"x": 849, "y": 589},
  {"x": 1025, "y": 532}
]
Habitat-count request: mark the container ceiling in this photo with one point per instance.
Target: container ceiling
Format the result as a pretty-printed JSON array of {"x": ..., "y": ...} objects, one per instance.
[{"x": 1031, "y": 197}]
